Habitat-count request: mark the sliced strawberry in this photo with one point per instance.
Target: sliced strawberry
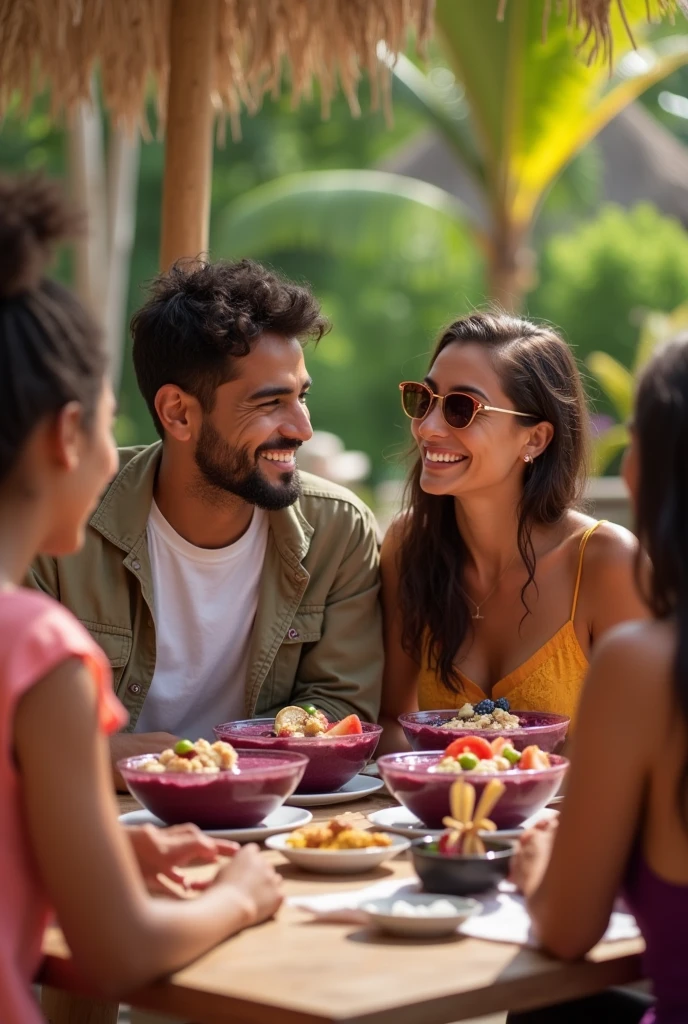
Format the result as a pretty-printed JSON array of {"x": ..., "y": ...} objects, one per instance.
[
  {"x": 498, "y": 745},
  {"x": 449, "y": 844},
  {"x": 533, "y": 757},
  {"x": 472, "y": 745},
  {"x": 349, "y": 726}
]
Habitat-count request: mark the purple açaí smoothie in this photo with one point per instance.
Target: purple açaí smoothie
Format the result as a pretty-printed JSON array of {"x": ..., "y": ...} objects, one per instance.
[
  {"x": 223, "y": 800},
  {"x": 425, "y": 730},
  {"x": 411, "y": 779},
  {"x": 332, "y": 762}
]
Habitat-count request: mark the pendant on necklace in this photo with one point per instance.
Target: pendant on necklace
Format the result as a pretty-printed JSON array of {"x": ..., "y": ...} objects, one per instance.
[{"x": 477, "y": 614}]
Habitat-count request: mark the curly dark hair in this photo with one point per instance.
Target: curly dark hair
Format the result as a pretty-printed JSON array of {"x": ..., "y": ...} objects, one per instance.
[
  {"x": 51, "y": 349},
  {"x": 200, "y": 317},
  {"x": 539, "y": 374}
]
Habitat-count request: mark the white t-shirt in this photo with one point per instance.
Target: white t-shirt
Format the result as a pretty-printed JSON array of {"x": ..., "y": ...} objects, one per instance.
[{"x": 205, "y": 604}]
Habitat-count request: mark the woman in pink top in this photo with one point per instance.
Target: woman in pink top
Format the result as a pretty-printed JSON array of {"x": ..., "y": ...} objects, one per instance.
[{"x": 61, "y": 847}]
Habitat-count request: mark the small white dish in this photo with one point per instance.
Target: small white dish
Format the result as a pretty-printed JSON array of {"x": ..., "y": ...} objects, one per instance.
[
  {"x": 430, "y": 926},
  {"x": 355, "y": 789},
  {"x": 338, "y": 862},
  {"x": 284, "y": 819},
  {"x": 402, "y": 821},
  {"x": 405, "y": 823}
]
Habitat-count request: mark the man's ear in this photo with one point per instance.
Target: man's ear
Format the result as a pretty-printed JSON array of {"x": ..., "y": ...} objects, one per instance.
[{"x": 179, "y": 412}]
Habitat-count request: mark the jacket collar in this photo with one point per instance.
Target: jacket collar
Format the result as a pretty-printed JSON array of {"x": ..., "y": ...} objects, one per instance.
[{"x": 123, "y": 512}]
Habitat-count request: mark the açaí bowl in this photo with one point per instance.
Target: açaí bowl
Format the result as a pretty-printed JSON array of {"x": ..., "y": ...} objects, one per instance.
[
  {"x": 222, "y": 800},
  {"x": 423, "y": 730},
  {"x": 461, "y": 874},
  {"x": 426, "y": 793},
  {"x": 331, "y": 762}
]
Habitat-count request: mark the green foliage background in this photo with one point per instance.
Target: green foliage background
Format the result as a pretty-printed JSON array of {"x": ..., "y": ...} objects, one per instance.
[{"x": 600, "y": 267}]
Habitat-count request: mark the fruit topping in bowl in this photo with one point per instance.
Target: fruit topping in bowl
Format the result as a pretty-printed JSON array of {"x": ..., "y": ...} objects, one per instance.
[
  {"x": 337, "y": 834},
  {"x": 304, "y": 720},
  {"x": 200, "y": 757},
  {"x": 488, "y": 714},
  {"x": 475, "y": 754},
  {"x": 463, "y": 827}
]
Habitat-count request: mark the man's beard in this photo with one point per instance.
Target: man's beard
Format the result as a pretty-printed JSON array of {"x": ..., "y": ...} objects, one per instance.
[{"x": 233, "y": 471}]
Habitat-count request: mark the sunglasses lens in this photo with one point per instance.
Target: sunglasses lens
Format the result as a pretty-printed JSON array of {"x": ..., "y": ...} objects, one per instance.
[
  {"x": 458, "y": 410},
  {"x": 416, "y": 400}
]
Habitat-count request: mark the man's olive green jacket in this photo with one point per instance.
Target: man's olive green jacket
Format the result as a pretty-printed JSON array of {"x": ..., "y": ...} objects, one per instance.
[{"x": 316, "y": 634}]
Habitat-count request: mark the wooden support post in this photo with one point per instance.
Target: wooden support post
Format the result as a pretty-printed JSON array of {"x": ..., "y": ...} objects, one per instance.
[{"x": 189, "y": 132}]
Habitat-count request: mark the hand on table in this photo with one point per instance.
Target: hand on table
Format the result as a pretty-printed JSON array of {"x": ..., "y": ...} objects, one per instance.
[
  {"x": 255, "y": 881},
  {"x": 529, "y": 863},
  {"x": 161, "y": 851}
]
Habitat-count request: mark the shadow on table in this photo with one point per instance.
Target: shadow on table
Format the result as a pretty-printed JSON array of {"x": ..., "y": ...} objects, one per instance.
[{"x": 294, "y": 874}]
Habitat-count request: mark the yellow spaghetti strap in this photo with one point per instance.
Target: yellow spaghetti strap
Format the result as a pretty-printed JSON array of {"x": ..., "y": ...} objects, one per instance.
[{"x": 581, "y": 551}]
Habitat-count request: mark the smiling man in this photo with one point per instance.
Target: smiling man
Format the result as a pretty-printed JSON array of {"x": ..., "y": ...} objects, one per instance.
[{"x": 221, "y": 583}]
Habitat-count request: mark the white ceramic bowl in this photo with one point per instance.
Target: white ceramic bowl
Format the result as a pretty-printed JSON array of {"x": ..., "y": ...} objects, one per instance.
[
  {"x": 428, "y": 927},
  {"x": 338, "y": 862}
]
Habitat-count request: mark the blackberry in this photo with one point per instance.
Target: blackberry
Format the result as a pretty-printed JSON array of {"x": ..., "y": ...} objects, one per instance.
[
  {"x": 503, "y": 704},
  {"x": 485, "y": 707}
]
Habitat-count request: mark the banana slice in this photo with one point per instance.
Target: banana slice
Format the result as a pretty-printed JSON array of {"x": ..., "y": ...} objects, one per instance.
[
  {"x": 467, "y": 821},
  {"x": 291, "y": 718}
]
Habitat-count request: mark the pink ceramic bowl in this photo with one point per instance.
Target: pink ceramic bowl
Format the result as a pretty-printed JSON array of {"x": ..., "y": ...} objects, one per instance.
[
  {"x": 225, "y": 800},
  {"x": 424, "y": 732},
  {"x": 426, "y": 793},
  {"x": 331, "y": 762}
]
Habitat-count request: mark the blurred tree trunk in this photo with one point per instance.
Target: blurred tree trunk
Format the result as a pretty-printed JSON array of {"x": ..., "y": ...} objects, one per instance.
[{"x": 107, "y": 191}]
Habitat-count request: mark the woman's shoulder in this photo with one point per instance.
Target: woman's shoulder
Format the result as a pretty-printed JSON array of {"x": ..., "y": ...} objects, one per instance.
[
  {"x": 603, "y": 544},
  {"x": 36, "y": 632},
  {"x": 634, "y": 655},
  {"x": 394, "y": 536}
]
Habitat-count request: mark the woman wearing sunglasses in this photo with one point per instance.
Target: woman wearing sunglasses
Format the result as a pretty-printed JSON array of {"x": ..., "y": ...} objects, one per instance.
[{"x": 494, "y": 585}]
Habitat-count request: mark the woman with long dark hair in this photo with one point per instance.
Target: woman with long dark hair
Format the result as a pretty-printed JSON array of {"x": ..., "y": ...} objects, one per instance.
[
  {"x": 494, "y": 585},
  {"x": 625, "y": 817}
]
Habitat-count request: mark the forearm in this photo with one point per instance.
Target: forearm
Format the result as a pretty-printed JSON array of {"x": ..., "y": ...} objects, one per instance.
[
  {"x": 166, "y": 936},
  {"x": 393, "y": 739}
]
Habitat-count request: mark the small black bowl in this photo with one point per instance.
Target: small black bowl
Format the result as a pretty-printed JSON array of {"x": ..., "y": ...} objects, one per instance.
[{"x": 459, "y": 875}]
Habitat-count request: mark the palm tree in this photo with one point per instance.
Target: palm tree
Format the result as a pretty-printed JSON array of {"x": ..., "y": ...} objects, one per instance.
[{"x": 532, "y": 104}]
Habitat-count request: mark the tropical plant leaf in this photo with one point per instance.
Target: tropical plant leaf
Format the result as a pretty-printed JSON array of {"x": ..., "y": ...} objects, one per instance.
[
  {"x": 657, "y": 329},
  {"x": 608, "y": 446},
  {"x": 615, "y": 380},
  {"x": 443, "y": 109},
  {"x": 534, "y": 104},
  {"x": 368, "y": 216}
]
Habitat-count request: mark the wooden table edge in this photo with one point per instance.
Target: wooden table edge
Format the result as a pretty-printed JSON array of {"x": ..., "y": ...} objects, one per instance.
[{"x": 574, "y": 980}]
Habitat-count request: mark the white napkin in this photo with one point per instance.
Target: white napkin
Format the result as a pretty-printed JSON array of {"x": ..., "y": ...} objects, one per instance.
[
  {"x": 345, "y": 907},
  {"x": 503, "y": 917}
]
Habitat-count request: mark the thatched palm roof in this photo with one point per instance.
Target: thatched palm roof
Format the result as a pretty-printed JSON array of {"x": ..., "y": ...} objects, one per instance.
[
  {"x": 593, "y": 17},
  {"x": 57, "y": 44}
]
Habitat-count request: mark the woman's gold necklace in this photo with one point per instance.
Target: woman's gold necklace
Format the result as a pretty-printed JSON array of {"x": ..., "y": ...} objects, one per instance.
[{"x": 493, "y": 591}]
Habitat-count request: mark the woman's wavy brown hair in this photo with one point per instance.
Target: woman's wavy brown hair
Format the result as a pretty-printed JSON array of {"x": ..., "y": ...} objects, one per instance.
[{"x": 539, "y": 374}]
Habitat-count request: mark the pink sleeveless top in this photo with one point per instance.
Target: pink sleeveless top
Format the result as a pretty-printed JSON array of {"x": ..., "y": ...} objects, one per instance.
[{"x": 36, "y": 635}]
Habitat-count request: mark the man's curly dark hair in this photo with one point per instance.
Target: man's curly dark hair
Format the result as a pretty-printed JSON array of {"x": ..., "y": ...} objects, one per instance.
[{"x": 199, "y": 318}]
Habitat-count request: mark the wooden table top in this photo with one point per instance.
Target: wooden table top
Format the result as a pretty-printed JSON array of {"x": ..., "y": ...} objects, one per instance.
[{"x": 300, "y": 971}]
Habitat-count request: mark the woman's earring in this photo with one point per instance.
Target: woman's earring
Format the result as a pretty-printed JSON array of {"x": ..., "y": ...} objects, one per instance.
[{"x": 527, "y": 458}]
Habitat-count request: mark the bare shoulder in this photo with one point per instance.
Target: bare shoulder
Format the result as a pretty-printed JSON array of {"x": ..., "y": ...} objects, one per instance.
[
  {"x": 610, "y": 554},
  {"x": 393, "y": 538},
  {"x": 632, "y": 656},
  {"x": 609, "y": 592}
]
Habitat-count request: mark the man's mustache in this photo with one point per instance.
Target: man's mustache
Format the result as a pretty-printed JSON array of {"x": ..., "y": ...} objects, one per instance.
[{"x": 282, "y": 445}]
